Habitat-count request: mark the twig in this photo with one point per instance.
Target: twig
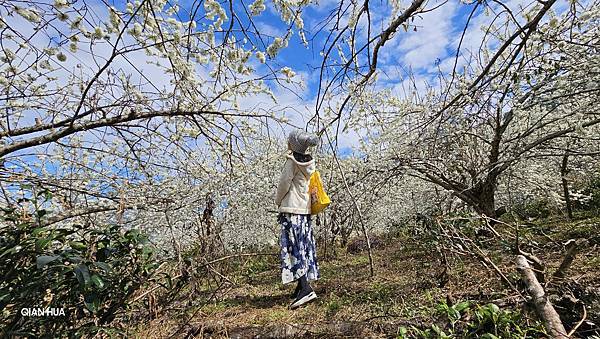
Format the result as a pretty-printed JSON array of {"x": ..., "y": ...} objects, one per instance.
[
  {"x": 484, "y": 259},
  {"x": 360, "y": 216},
  {"x": 196, "y": 312},
  {"x": 579, "y": 323},
  {"x": 203, "y": 265},
  {"x": 538, "y": 264},
  {"x": 235, "y": 256},
  {"x": 153, "y": 289},
  {"x": 487, "y": 224},
  {"x": 220, "y": 274}
]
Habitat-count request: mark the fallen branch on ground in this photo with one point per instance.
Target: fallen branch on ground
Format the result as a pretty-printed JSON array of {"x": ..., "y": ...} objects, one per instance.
[
  {"x": 538, "y": 266},
  {"x": 543, "y": 307}
]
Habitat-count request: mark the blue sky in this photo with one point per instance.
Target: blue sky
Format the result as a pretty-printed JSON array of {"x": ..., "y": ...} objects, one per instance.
[
  {"x": 421, "y": 52},
  {"x": 434, "y": 42}
]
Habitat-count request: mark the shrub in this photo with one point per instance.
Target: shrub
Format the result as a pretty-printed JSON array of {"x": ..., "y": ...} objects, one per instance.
[
  {"x": 538, "y": 209},
  {"x": 88, "y": 272},
  {"x": 592, "y": 191}
]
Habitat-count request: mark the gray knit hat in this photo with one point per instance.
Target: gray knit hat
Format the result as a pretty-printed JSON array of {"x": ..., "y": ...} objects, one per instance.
[{"x": 299, "y": 140}]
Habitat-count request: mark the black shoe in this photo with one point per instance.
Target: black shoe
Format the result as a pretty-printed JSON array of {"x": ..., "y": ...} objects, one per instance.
[
  {"x": 296, "y": 291},
  {"x": 304, "y": 297}
]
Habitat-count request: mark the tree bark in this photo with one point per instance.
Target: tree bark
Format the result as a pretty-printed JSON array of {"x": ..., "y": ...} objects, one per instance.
[
  {"x": 572, "y": 246},
  {"x": 563, "y": 174},
  {"x": 543, "y": 307},
  {"x": 484, "y": 196}
]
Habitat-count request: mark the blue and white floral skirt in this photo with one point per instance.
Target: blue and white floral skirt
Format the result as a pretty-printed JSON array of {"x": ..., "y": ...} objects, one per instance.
[{"x": 298, "y": 251}]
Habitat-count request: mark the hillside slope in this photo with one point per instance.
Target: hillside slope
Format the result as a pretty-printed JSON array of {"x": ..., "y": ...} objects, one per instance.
[{"x": 409, "y": 296}]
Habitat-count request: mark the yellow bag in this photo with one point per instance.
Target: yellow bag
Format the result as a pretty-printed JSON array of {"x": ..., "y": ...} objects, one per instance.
[{"x": 318, "y": 198}]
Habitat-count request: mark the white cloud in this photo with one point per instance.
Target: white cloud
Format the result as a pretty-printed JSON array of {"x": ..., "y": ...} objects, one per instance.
[
  {"x": 422, "y": 48},
  {"x": 268, "y": 30}
]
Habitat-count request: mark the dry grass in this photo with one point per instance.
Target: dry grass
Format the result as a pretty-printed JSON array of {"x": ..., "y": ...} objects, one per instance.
[{"x": 404, "y": 292}]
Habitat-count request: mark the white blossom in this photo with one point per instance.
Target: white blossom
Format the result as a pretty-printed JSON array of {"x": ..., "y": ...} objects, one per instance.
[
  {"x": 257, "y": 7},
  {"x": 29, "y": 14},
  {"x": 61, "y": 3},
  {"x": 261, "y": 57},
  {"x": 288, "y": 72}
]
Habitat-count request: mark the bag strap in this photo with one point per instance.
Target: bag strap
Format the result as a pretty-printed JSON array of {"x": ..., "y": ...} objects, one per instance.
[{"x": 307, "y": 178}]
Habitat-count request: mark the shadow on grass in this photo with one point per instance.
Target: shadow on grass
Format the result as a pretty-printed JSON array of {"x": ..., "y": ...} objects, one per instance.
[{"x": 261, "y": 302}]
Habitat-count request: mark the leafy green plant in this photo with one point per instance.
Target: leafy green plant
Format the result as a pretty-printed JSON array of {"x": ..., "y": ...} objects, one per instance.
[
  {"x": 332, "y": 307},
  {"x": 402, "y": 333},
  {"x": 89, "y": 273},
  {"x": 533, "y": 209},
  {"x": 492, "y": 322},
  {"x": 472, "y": 321},
  {"x": 434, "y": 331},
  {"x": 453, "y": 313}
]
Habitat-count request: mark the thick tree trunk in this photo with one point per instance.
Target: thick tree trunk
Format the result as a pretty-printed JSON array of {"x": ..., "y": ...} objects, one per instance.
[
  {"x": 484, "y": 198},
  {"x": 486, "y": 207},
  {"x": 480, "y": 197},
  {"x": 207, "y": 214},
  {"x": 543, "y": 307}
]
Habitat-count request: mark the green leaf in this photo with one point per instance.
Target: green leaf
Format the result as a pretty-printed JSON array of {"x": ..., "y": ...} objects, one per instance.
[
  {"x": 41, "y": 244},
  {"x": 7, "y": 210},
  {"x": 41, "y": 213},
  {"x": 77, "y": 245},
  {"x": 10, "y": 250},
  {"x": 9, "y": 218},
  {"x": 4, "y": 296},
  {"x": 132, "y": 234},
  {"x": 37, "y": 231},
  {"x": 62, "y": 232},
  {"x": 493, "y": 308},
  {"x": 44, "y": 260},
  {"x": 73, "y": 258},
  {"x": 147, "y": 250},
  {"x": 83, "y": 274},
  {"x": 91, "y": 302},
  {"x": 46, "y": 193},
  {"x": 461, "y": 306},
  {"x": 453, "y": 314},
  {"x": 97, "y": 281},
  {"x": 102, "y": 254}
]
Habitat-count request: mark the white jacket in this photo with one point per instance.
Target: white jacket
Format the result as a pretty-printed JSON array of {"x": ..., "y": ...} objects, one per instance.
[{"x": 292, "y": 191}]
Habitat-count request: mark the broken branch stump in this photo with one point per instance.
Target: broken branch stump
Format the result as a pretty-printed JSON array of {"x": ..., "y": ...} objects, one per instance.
[{"x": 572, "y": 247}]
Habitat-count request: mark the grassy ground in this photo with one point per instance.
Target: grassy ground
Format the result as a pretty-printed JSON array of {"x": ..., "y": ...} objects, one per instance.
[{"x": 403, "y": 299}]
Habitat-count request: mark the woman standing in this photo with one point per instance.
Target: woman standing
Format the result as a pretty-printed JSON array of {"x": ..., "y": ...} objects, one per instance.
[{"x": 298, "y": 252}]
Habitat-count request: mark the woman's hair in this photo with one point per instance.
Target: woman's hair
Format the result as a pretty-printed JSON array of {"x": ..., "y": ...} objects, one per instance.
[{"x": 302, "y": 157}]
